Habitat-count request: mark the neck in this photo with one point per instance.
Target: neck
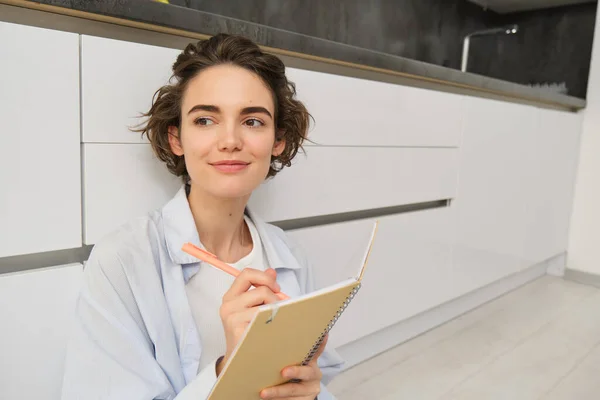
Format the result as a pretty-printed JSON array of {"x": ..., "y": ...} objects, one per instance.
[{"x": 220, "y": 224}]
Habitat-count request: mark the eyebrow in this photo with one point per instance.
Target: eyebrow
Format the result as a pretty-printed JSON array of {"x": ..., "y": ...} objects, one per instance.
[
  {"x": 204, "y": 107},
  {"x": 245, "y": 110}
]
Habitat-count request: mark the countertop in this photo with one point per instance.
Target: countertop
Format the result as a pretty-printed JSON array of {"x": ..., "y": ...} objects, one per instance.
[{"x": 160, "y": 15}]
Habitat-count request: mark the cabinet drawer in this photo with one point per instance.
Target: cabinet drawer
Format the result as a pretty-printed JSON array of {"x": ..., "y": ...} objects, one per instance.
[
  {"x": 347, "y": 110},
  {"x": 37, "y": 317},
  {"x": 40, "y": 199},
  {"x": 330, "y": 180},
  {"x": 118, "y": 80},
  {"x": 121, "y": 182},
  {"x": 409, "y": 270},
  {"x": 360, "y": 112}
]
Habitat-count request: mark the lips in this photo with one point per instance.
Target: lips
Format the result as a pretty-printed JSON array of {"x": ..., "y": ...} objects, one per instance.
[{"x": 229, "y": 166}]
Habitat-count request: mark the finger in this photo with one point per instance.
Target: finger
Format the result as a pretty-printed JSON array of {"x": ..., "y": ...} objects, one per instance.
[
  {"x": 271, "y": 272},
  {"x": 303, "y": 373},
  {"x": 241, "y": 318},
  {"x": 246, "y": 300},
  {"x": 250, "y": 277},
  {"x": 255, "y": 297},
  {"x": 292, "y": 390}
]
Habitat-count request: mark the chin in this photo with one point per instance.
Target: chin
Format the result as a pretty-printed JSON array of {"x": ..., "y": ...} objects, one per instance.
[
  {"x": 230, "y": 187},
  {"x": 233, "y": 190}
]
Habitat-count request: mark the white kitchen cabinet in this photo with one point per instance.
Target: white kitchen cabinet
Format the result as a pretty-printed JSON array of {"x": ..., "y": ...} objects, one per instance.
[
  {"x": 40, "y": 199},
  {"x": 555, "y": 151},
  {"x": 118, "y": 81},
  {"x": 359, "y": 112},
  {"x": 491, "y": 207},
  {"x": 121, "y": 182},
  {"x": 37, "y": 316},
  {"x": 330, "y": 180},
  {"x": 347, "y": 110},
  {"x": 409, "y": 270}
]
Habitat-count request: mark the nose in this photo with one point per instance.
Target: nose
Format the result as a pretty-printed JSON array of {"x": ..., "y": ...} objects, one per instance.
[{"x": 229, "y": 137}]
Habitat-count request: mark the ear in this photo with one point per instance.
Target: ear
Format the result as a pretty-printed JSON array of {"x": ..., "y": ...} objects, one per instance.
[
  {"x": 278, "y": 147},
  {"x": 174, "y": 141}
]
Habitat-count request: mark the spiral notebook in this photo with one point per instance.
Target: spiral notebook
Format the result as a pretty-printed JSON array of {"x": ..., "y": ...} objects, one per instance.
[{"x": 282, "y": 334}]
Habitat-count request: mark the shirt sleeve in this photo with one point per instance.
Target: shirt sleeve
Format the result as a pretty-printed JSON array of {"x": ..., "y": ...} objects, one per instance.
[
  {"x": 110, "y": 354},
  {"x": 325, "y": 394},
  {"x": 200, "y": 387}
]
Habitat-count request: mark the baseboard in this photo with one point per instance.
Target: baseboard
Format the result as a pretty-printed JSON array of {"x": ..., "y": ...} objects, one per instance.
[
  {"x": 362, "y": 349},
  {"x": 557, "y": 265},
  {"x": 586, "y": 278}
]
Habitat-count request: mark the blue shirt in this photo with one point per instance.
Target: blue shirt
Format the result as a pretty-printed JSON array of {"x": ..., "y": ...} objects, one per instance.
[{"x": 134, "y": 335}]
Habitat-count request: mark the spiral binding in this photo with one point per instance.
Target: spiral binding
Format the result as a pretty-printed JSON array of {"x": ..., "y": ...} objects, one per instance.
[{"x": 309, "y": 356}]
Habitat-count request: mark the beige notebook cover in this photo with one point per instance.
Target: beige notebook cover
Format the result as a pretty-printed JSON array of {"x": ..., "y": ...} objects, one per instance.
[{"x": 283, "y": 334}]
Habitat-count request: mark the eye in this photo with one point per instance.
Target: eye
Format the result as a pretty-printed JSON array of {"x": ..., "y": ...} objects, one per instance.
[
  {"x": 203, "y": 121},
  {"x": 253, "y": 123}
]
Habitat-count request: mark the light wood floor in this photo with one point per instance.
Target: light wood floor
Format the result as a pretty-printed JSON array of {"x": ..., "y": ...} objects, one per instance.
[{"x": 541, "y": 341}]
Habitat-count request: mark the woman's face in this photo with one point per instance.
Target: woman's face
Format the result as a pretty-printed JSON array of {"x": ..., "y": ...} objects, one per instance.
[{"x": 227, "y": 133}]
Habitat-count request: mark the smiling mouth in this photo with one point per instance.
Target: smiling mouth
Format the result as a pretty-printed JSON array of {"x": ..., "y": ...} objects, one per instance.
[{"x": 230, "y": 166}]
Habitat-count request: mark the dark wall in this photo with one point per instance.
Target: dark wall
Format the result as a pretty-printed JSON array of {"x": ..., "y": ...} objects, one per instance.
[
  {"x": 552, "y": 46},
  {"x": 425, "y": 30}
]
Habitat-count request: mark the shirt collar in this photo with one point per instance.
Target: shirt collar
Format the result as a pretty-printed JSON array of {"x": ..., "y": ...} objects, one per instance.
[
  {"x": 277, "y": 250},
  {"x": 179, "y": 228}
]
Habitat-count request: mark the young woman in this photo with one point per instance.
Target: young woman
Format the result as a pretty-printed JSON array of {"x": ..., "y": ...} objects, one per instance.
[{"x": 151, "y": 321}]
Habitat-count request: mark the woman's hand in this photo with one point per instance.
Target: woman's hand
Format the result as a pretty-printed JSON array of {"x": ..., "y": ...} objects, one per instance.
[
  {"x": 240, "y": 304},
  {"x": 309, "y": 386}
]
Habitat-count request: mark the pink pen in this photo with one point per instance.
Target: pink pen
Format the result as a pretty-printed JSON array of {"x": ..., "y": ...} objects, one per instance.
[{"x": 215, "y": 262}]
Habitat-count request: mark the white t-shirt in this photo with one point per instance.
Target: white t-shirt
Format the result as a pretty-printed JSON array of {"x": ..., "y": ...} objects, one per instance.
[{"x": 205, "y": 292}]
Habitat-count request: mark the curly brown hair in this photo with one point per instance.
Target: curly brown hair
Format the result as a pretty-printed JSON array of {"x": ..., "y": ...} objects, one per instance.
[{"x": 291, "y": 116}]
